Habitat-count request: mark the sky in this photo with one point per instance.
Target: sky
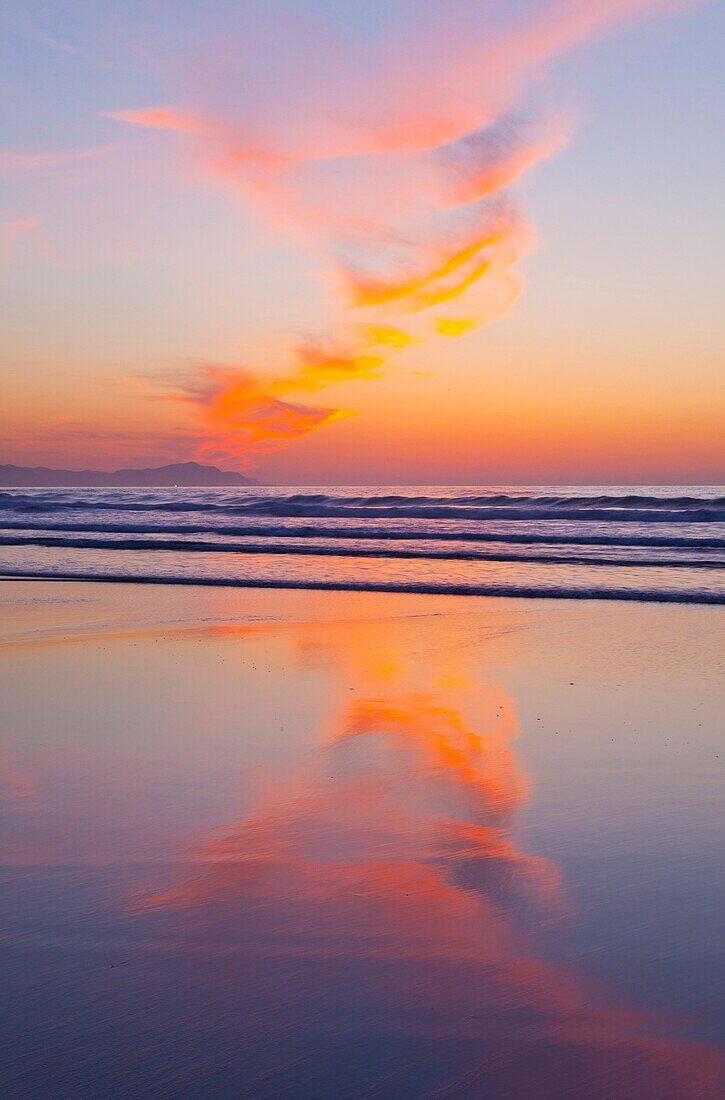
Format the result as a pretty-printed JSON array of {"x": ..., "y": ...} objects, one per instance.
[{"x": 411, "y": 241}]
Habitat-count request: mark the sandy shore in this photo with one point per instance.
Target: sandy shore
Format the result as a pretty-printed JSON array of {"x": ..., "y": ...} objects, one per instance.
[{"x": 261, "y": 843}]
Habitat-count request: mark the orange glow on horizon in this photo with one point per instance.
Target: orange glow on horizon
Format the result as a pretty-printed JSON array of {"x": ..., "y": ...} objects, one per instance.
[{"x": 384, "y": 180}]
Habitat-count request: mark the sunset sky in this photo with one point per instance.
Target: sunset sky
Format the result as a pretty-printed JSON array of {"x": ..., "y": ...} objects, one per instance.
[{"x": 402, "y": 241}]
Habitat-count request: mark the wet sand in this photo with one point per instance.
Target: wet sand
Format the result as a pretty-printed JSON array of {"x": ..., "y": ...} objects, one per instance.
[{"x": 326, "y": 844}]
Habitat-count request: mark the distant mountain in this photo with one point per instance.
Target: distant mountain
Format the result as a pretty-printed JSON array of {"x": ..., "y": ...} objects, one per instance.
[{"x": 178, "y": 473}]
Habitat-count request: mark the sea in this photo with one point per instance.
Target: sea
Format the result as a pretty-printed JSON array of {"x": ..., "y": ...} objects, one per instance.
[{"x": 654, "y": 543}]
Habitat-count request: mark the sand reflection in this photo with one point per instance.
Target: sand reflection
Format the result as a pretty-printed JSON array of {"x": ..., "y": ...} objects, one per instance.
[{"x": 379, "y": 895}]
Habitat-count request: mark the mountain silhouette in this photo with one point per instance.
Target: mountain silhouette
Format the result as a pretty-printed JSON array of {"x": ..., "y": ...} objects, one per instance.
[{"x": 178, "y": 473}]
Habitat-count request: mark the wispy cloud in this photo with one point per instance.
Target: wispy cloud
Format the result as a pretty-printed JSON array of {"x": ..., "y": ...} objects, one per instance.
[
  {"x": 14, "y": 160},
  {"x": 160, "y": 118},
  {"x": 392, "y": 161},
  {"x": 15, "y": 230}
]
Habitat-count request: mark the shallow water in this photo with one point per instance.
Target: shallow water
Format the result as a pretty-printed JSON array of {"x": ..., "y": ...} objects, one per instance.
[
  {"x": 643, "y": 542},
  {"x": 316, "y": 844}
]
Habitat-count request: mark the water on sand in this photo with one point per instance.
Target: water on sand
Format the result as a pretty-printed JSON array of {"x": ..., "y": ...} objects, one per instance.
[{"x": 261, "y": 844}]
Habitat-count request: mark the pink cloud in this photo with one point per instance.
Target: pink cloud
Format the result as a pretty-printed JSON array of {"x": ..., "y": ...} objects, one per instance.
[
  {"x": 160, "y": 118},
  {"x": 23, "y": 161},
  {"x": 15, "y": 230}
]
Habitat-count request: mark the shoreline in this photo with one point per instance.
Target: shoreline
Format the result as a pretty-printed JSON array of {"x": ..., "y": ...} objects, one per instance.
[{"x": 610, "y": 595}]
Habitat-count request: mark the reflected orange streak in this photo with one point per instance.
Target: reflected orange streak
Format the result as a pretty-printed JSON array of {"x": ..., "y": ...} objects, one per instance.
[
  {"x": 452, "y": 749},
  {"x": 396, "y": 851},
  {"x": 397, "y": 913},
  {"x": 429, "y": 752}
]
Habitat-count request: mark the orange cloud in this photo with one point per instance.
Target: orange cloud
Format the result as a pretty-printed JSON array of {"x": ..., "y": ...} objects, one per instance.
[
  {"x": 237, "y": 416},
  {"x": 241, "y": 415},
  {"x": 373, "y": 157},
  {"x": 385, "y": 336},
  {"x": 455, "y": 326},
  {"x": 160, "y": 118},
  {"x": 319, "y": 369},
  {"x": 487, "y": 250}
]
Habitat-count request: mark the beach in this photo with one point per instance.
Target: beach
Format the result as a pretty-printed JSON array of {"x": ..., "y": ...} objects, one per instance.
[
  {"x": 307, "y": 843},
  {"x": 362, "y": 551}
]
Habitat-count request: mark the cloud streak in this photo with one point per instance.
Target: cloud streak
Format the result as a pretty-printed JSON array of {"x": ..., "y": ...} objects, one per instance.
[
  {"x": 15, "y": 230},
  {"x": 236, "y": 415},
  {"x": 13, "y": 160},
  {"x": 393, "y": 163}
]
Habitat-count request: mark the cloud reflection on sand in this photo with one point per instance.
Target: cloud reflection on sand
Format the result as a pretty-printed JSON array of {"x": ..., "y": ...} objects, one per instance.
[{"x": 380, "y": 892}]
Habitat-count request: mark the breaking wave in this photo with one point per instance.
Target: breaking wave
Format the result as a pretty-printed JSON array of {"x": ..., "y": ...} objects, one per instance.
[{"x": 650, "y": 543}]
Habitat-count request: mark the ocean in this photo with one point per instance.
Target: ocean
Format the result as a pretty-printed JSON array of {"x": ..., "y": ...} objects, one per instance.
[{"x": 614, "y": 542}]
